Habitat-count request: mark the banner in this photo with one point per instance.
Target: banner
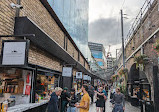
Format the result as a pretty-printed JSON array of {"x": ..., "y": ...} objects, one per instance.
[{"x": 67, "y": 71}]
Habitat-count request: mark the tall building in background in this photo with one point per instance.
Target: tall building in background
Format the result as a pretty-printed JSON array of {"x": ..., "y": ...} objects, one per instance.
[
  {"x": 98, "y": 52},
  {"x": 110, "y": 65},
  {"x": 74, "y": 16}
]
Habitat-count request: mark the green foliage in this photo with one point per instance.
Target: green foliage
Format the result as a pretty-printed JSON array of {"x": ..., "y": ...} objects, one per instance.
[
  {"x": 141, "y": 60},
  {"x": 156, "y": 46}
]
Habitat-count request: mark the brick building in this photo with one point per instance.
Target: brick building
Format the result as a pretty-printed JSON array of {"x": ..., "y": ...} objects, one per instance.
[
  {"x": 51, "y": 49},
  {"x": 140, "y": 41}
]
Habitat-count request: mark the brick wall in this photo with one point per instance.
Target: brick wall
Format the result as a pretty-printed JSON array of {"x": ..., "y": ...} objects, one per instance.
[
  {"x": 34, "y": 10},
  {"x": 40, "y": 57},
  {"x": 149, "y": 25}
]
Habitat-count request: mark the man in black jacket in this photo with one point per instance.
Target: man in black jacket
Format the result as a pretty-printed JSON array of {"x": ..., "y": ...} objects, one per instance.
[
  {"x": 72, "y": 101},
  {"x": 53, "y": 103},
  {"x": 64, "y": 99}
]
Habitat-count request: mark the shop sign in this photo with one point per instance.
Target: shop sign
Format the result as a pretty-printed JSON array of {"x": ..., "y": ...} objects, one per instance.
[
  {"x": 14, "y": 52},
  {"x": 85, "y": 77},
  {"x": 89, "y": 78},
  {"x": 67, "y": 71},
  {"x": 78, "y": 75}
]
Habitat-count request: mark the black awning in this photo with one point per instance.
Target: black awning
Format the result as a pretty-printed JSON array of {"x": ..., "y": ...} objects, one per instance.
[{"x": 24, "y": 25}]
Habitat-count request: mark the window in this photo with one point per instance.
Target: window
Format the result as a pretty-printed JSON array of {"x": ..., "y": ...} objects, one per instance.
[
  {"x": 97, "y": 54},
  {"x": 100, "y": 63}
]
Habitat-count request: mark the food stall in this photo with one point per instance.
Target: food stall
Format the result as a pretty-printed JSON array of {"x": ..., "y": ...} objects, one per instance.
[{"x": 15, "y": 86}]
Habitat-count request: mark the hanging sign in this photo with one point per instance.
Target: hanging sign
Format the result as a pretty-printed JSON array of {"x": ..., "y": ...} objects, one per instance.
[
  {"x": 85, "y": 77},
  {"x": 67, "y": 71},
  {"x": 14, "y": 52},
  {"x": 89, "y": 78},
  {"x": 78, "y": 75}
]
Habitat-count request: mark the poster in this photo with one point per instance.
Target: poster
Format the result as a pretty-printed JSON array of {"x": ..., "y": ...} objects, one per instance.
[{"x": 27, "y": 89}]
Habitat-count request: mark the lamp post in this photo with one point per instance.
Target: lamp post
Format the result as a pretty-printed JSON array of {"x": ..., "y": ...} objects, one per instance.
[{"x": 122, "y": 34}]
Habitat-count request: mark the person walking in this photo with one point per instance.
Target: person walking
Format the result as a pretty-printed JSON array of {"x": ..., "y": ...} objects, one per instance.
[
  {"x": 64, "y": 98},
  {"x": 91, "y": 92},
  {"x": 84, "y": 104},
  {"x": 100, "y": 100},
  {"x": 72, "y": 101},
  {"x": 105, "y": 97},
  {"x": 119, "y": 101},
  {"x": 53, "y": 102}
]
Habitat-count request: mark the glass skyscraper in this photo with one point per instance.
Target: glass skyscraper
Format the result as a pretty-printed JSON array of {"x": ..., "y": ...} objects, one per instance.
[
  {"x": 74, "y": 16},
  {"x": 98, "y": 52}
]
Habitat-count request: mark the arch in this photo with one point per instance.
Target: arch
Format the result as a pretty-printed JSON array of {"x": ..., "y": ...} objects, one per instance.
[{"x": 133, "y": 74}]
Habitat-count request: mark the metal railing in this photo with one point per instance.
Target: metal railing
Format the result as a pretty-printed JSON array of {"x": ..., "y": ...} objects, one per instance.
[
  {"x": 137, "y": 23},
  {"x": 138, "y": 20}
]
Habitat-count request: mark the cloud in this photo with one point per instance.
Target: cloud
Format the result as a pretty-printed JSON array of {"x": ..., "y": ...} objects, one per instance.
[{"x": 106, "y": 31}]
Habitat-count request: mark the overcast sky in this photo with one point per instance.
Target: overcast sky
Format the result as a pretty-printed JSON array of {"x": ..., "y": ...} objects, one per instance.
[{"x": 104, "y": 20}]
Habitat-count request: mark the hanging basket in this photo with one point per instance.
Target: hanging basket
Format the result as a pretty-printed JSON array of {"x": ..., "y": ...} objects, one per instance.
[{"x": 155, "y": 46}]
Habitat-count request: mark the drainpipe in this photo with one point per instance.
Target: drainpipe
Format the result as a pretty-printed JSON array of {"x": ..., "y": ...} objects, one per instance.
[{"x": 17, "y": 9}]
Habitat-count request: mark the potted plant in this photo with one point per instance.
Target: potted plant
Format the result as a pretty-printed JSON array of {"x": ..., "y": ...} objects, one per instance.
[{"x": 141, "y": 61}]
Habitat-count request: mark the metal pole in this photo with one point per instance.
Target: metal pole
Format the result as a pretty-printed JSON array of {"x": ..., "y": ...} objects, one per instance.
[
  {"x": 156, "y": 88},
  {"x": 17, "y": 9},
  {"x": 117, "y": 55},
  {"x": 122, "y": 34}
]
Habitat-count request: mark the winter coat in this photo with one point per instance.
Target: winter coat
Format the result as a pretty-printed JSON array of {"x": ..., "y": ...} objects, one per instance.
[{"x": 53, "y": 103}]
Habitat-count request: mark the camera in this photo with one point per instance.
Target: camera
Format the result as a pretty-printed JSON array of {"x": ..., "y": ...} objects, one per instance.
[{"x": 16, "y": 6}]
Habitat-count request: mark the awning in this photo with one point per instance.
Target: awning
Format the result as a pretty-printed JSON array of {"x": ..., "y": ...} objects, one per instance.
[{"x": 24, "y": 25}]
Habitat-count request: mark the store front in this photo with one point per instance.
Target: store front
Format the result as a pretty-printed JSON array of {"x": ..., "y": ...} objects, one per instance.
[
  {"x": 15, "y": 86},
  {"x": 27, "y": 89},
  {"x": 139, "y": 90}
]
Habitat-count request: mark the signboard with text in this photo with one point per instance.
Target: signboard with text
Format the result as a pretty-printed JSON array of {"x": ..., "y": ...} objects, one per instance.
[
  {"x": 14, "y": 53},
  {"x": 85, "y": 77},
  {"x": 67, "y": 71}
]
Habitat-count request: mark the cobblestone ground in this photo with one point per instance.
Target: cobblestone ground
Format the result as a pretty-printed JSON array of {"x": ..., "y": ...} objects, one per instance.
[{"x": 128, "y": 107}]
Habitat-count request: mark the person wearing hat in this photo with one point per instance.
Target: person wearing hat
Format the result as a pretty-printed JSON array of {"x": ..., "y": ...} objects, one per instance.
[
  {"x": 72, "y": 101},
  {"x": 64, "y": 98}
]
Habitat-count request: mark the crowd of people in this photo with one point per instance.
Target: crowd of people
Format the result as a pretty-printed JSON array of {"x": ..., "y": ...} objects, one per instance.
[{"x": 71, "y": 103}]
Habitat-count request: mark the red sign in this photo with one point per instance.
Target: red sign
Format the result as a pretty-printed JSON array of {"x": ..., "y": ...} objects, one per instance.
[{"x": 27, "y": 90}]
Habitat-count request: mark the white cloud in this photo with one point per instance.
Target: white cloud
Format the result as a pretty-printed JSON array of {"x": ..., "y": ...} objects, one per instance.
[{"x": 104, "y": 20}]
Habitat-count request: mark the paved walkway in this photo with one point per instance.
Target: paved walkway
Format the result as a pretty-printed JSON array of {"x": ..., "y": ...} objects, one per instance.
[{"x": 128, "y": 107}]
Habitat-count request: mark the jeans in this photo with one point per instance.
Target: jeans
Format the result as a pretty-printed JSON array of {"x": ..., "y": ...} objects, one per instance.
[
  {"x": 64, "y": 104},
  {"x": 118, "y": 108},
  {"x": 71, "y": 109}
]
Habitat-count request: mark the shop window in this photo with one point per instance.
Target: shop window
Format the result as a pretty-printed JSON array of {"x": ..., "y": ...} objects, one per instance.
[
  {"x": 45, "y": 85},
  {"x": 15, "y": 86}
]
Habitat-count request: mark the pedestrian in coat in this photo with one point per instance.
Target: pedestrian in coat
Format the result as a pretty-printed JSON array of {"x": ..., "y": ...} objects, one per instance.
[
  {"x": 64, "y": 98},
  {"x": 53, "y": 103}
]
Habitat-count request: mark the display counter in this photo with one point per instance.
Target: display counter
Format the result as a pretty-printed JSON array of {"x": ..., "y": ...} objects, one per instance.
[{"x": 25, "y": 107}]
